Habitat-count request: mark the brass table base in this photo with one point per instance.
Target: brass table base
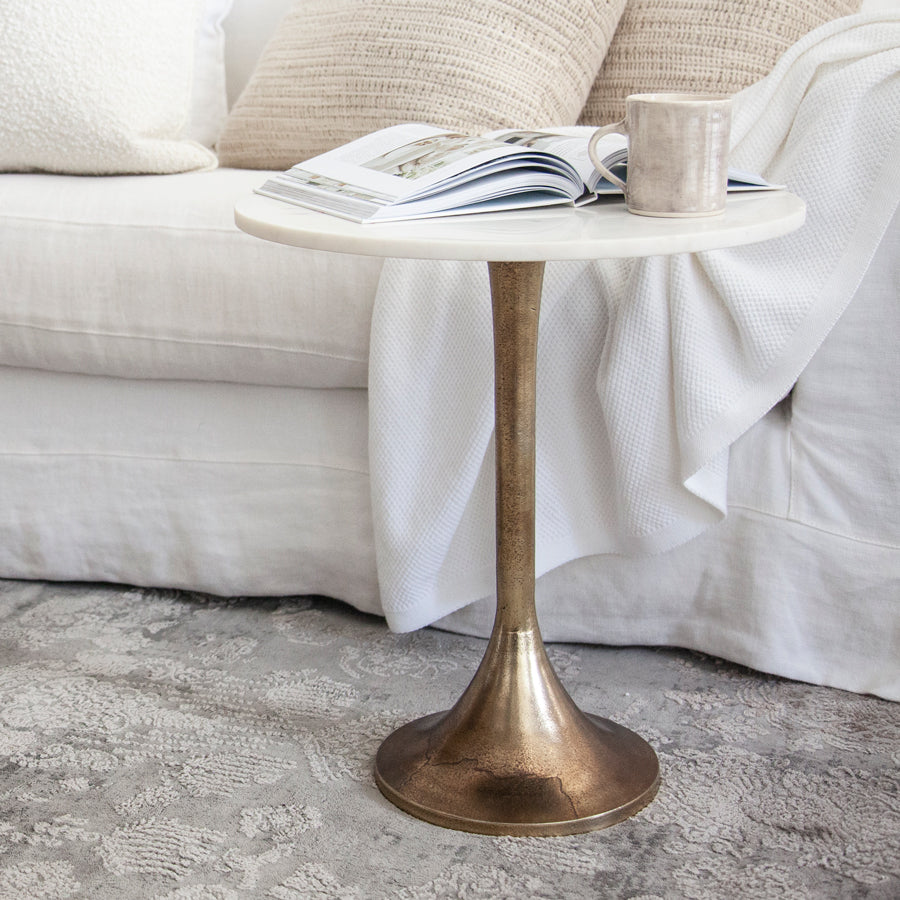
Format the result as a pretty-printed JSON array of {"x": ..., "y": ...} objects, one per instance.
[
  {"x": 622, "y": 769},
  {"x": 515, "y": 755}
]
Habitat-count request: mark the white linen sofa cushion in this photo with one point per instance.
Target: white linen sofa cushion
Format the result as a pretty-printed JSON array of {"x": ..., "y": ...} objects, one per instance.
[
  {"x": 148, "y": 277},
  {"x": 233, "y": 489}
]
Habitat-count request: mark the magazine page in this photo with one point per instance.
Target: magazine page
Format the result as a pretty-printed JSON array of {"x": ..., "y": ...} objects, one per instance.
[
  {"x": 739, "y": 180},
  {"x": 500, "y": 190},
  {"x": 405, "y": 163},
  {"x": 571, "y": 144},
  {"x": 400, "y": 162}
]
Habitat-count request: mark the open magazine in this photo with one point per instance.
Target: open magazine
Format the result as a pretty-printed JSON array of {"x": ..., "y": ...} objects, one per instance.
[{"x": 417, "y": 171}]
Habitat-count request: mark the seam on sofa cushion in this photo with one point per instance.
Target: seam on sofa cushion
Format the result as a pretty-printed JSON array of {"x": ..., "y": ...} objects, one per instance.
[
  {"x": 156, "y": 226},
  {"x": 887, "y": 545},
  {"x": 177, "y": 340},
  {"x": 40, "y": 454}
]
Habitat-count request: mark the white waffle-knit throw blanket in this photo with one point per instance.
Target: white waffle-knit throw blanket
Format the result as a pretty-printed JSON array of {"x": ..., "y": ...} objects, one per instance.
[{"x": 648, "y": 370}]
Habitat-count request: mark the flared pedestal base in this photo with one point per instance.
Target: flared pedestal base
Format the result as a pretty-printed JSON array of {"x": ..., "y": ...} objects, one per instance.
[
  {"x": 515, "y": 755},
  {"x": 595, "y": 776}
]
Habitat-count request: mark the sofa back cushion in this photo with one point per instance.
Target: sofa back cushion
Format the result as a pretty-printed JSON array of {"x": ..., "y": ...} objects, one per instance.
[
  {"x": 248, "y": 28},
  {"x": 337, "y": 69},
  {"x": 209, "y": 99},
  {"x": 708, "y": 46}
]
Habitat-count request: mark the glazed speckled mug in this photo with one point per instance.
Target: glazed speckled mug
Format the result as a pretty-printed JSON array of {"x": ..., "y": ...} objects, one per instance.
[{"x": 677, "y": 153}]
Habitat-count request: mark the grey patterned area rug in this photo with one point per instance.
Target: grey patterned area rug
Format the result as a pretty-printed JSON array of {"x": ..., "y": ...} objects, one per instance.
[{"x": 156, "y": 744}]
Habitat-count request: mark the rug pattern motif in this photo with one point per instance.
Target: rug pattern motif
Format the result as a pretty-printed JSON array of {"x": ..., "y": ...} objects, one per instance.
[{"x": 160, "y": 744}]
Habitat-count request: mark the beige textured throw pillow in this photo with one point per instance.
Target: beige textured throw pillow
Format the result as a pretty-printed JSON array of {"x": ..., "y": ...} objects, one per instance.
[
  {"x": 338, "y": 69},
  {"x": 714, "y": 46}
]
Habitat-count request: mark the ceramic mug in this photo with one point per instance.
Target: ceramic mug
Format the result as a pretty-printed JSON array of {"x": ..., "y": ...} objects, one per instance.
[{"x": 677, "y": 153}]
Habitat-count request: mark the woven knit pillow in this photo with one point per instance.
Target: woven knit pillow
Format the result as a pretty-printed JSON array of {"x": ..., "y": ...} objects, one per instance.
[
  {"x": 710, "y": 46},
  {"x": 337, "y": 69}
]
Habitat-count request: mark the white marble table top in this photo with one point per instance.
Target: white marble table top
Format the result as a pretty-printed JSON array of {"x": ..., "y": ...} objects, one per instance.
[{"x": 601, "y": 230}]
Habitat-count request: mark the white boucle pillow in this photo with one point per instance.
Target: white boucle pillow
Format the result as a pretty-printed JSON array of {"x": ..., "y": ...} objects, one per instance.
[{"x": 97, "y": 87}]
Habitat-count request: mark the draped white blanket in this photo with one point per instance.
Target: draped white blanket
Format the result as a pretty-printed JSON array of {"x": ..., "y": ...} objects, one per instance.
[{"x": 648, "y": 369}]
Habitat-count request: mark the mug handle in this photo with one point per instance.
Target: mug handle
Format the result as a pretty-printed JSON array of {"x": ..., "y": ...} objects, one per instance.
[{"x": 615, "y": 128}]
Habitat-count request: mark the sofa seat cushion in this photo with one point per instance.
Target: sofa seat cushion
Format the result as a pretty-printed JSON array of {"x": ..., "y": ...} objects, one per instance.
[{"x": 148, "y": 277}]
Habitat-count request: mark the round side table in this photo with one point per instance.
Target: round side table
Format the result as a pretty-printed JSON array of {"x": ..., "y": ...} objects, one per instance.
[{"x": 515, "y": 755}]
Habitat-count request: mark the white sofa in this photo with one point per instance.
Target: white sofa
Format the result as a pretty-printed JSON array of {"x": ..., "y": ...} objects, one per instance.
[{"x": 185, "y": 406}]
